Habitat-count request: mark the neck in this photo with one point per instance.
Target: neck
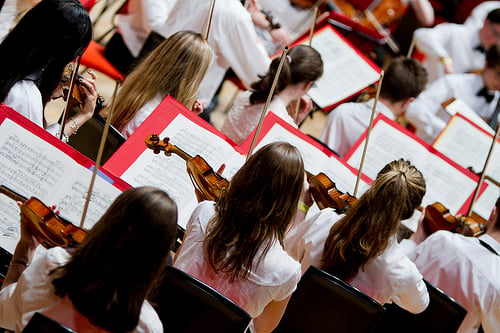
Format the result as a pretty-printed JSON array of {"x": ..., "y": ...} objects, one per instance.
[
  {"x": 289, "y": 94},
  {"x": 394, "y": 107},
  {"x": 495, "y": 234}
]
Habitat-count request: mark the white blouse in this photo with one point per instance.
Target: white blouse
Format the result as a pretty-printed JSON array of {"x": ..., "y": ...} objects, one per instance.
[
  {"x": 274, "y": 279},
  {"x": 244, "y": 117},
  {"x": 390, "y": 277},
  {"x": 141, "y": 115},
  {"x": 34, "y": 292}
]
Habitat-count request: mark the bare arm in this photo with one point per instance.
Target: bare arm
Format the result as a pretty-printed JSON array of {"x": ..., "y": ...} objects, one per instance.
[{"x": 271, "y": 316}]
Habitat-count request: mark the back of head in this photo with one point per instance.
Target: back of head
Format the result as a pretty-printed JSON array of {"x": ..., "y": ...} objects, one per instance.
[
  {"x": 303, "y": 64},
  {"x": 404, "y": 78},
  {"x": 496, "y": 221},
  {"x": 48, "y": 37},
  {"x": 494, "y": 16},
  {"x": 114, "y": 269},
  {"x": 176, "y": 67},
  {"x": 493, "y": 56},
  {"x": 365, "y": 231},
  {"x": 257, "y": 208}
]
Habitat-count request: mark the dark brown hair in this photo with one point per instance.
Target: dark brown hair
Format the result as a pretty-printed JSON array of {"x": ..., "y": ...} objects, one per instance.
[
  {"x": 303, "y": 64},
  {"x": 256, "y": 210},
  {"x": 112, "y": 272},
  {"x": 404, "y": 78}
]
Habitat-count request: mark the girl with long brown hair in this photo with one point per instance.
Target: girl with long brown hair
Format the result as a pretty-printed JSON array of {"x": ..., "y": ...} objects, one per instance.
[
  {"x": 236, "y": 244},
  {"x": 361, "y": 247}
]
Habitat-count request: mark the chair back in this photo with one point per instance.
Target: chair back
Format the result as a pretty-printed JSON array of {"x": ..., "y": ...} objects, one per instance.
[
  {"x": 186, "y": 304},
  {"x": 325, "y": 303},
  {"x": 43, "y": 324},
  {"x": 89, "y": 137},
  {"x": 443, "y": 314}
]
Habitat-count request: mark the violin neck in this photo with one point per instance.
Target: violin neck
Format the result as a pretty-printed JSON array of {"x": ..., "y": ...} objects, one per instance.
[
  {"x": 12, "y": 194},
  {"x": 176, "y": 150}
]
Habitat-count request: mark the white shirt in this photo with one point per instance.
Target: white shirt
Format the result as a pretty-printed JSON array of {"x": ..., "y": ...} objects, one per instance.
[
  {"x": 466, "y": 271},
  {"x": 142, "y": 17},
  {"x": 476, "y": 18},
  {"x": 26, "y": 99},
  {"x": 347, "y": 122},
  {"x": 244, "y": 117},
  {"x": 34, "y": 292},
  {"x": 427, "y": 114},
  {"x": 141, "y": 115},
  {"x": 232, "y": 38},
  {"x": 449, "y": 40},
  {"x": 390, "y": 277},
  {"x": 8, "y": 14},
  {"x": 274, "y": 279}
]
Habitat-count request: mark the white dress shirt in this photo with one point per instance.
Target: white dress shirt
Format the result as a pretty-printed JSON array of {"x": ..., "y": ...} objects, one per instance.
[
  {"x": 34, "y": 292},
  {"x": 244, "y": 117},
  {"x": 26, "y": 99},
  {"x": 141, "y": 115},
  {"x": 476, "y": 18},
  {"x": 389, "y": 277},
  {"x": 232, "y": 37},
  {"x": 427, "y": 114},
  {"x": 347, "y": 122},
  {"x": 274, "y": 279},
  {"x": 466, "y": 271},
  {"x": 142, "y": 16},
  {"x": 456, "y": 41}
]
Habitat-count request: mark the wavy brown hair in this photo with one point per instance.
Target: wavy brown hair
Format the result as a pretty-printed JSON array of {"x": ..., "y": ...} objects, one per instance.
[
  {"x": 256, "y": 210},
  {"x": 176, "y": 67},
  {"x": 365, "y": 231},
  {"x": 113, "y": 271}
]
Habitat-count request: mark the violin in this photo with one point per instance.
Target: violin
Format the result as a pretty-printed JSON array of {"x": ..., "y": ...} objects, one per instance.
[
  {"x": 385, "y": 12},
  {"x": 209, "y": 183},
  {"x": 326, "y": 194},
  {"x": 49, "y": 229},
  {"x": 438, "y": 217}
]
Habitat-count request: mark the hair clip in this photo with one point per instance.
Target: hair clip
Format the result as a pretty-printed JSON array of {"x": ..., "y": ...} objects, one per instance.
[{"x": 289, "y": 59}]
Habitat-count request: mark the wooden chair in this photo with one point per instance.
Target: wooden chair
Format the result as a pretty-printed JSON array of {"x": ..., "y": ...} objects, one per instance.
[
  {"x": 42, "y": 324},
  {"x": 186, "y": 304},
  {"x": 324, "y": 303},
  {"x": 442, "y": 315}
]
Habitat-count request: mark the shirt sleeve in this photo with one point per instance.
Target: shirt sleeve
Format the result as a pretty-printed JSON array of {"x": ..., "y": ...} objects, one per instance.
[
  {"x": 156, "y": 12},
  {"x": 242, "y": 49},
  {"x": 432, "y": 41}
]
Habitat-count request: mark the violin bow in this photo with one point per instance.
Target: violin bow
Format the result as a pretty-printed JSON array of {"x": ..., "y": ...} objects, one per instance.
[
  {"x": 370, "y": 126},
  {"x": 311, "y": 34},
  {"x": 266, "y": 105},
  {"x": 74, "y": 74},
  {"x": 483, "y": 174},
  {"x": 388, "y": 39},
  {"x": 99, "y": 154},
  {"x": 209, "y": 20}
]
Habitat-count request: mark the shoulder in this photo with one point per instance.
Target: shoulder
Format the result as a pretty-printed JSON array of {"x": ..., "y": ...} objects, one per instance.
[
  {"x": 201, "y": 214},
  {"x": 149, "y": 322},
  {"x": 25, "y": 98}
]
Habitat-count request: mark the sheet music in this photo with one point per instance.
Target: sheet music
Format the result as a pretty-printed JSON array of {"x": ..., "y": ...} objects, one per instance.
[
  {"x": 459, "y": 106},
  {"x": 486, "y": 201},
  {"x": 33, "y": 167},
  {"x": 315, "y": 161},
  {"x": 345, "y": 71},
  {"x": 467, "y": 145},
  {"x": 444, "y": 182},
  {"x": 9, "y": 223},
  {"x": 169, "y": 173}
]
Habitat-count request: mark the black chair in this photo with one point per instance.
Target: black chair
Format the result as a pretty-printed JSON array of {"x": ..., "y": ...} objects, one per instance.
[
  {"x": 89, "y": 136},
  {"x": 42, "y": 324},
  {"x": 324, "y": 303},
  {"x": 186, "y": 304},
  {"x": 442, "y": 315}
]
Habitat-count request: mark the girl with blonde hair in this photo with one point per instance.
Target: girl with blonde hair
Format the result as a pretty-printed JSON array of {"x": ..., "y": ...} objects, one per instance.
[
  {"x": 361, "y": 247},
  {"x": 236, "y": 244},
  {"x": 176, "y": 67}
]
